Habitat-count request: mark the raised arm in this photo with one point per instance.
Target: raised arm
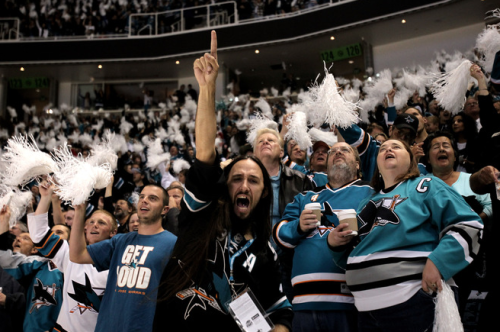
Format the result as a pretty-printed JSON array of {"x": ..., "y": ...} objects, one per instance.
[
  {"x": 205, "y": 71},
  {"x": 77, "y": 244},
  {"x": 4, "y": 219},
  {"x": 46, "y": 190}
]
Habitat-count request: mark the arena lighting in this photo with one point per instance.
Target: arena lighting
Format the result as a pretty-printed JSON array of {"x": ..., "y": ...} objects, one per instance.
[
  {"x": 257, "y": 51},
  {"x": 177, "y": 62},
  {"x": 332, "y": 38},
  {"x": 403, "y": 21},
  {"x": 99, "y": 66},
  {"x": 351, "y": 62},
  {"x": 21, "y": 69}
]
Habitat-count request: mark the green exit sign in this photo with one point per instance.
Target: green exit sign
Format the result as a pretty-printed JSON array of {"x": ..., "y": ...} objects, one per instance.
[
  {"x": 340, "y": 53},
  {"x": 29, "y": 83}
]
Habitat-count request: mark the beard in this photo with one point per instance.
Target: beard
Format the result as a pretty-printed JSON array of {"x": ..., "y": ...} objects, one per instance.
[
  {"x": 240, "y": 225},
  {"x": 342, "y": 173}
]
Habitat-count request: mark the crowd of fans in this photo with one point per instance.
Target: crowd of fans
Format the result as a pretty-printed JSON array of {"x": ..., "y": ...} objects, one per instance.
[
  {"x": 44, "y": 18},
  {"x": 447, "y": 157},
  {"x": 469, "y": 137}
]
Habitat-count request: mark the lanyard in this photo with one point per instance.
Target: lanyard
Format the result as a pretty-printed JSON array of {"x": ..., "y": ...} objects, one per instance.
[{"x": 233, "y": 257}]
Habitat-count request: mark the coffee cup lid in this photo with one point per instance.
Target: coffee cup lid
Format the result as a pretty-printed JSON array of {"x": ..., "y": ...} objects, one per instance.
[
  {"x": 346, "y": 212},
  {"x": 312, "y": 206}
]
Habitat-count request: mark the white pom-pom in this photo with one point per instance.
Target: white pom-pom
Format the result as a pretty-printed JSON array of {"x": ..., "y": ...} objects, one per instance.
[
  {"x": 244, "y": 124},
  {"x": 137, "y": 147},
  {"x": 264, "y": 107},
  {"x": 125, "y": 126},
  {"x": 161, "y": 133},
  {"x": 297, "y": 130},
  {"x": 17, "y": 201},
  {"x": 488, "y": 43},
  {"x": 119, "y": 144},
  {"x": 319, "y": 135},
  {"x": 185, "y": 116},
  {"x": 351, "y": 94},
  {"x": 25, "y": 162},
  {"x": 401, "y": 97},
  {"x": 156, "y": 154},
  {"x": 259, "y": 123},
  {"x": 190, "y": 106},
  {"x": 418, "y": 81},
  {"x": 85, "y": 139},
  {"x": 134, "y": 198},
  {"x": 12, "y": 112},
  {"x": 326, "y": 105},
  {"x": 104, "y": 152},
  {"x": 76, "y": 178},
  {"x": 179, "y": 164},
  {"x": 450, "y": 88},
  {"x": 381, "y": 86},
  {"x": 274, "y": 91},
  {"x": 446, "y": 317}
]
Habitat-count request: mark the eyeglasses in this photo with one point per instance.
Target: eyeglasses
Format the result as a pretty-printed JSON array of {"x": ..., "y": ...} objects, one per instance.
[{"x": 343, "y": 149}]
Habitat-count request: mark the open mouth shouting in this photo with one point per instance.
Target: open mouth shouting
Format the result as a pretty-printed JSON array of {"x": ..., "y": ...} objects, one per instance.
[
  {"x": 242, "y": 205},
  {"x": 442, "y": 157}
]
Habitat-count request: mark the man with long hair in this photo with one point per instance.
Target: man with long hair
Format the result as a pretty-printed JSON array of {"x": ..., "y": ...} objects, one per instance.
[{"x": 223, "y": 248}]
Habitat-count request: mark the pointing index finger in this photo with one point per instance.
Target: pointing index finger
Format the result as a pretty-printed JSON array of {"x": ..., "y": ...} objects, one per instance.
[{"x": 213, "y": 45}]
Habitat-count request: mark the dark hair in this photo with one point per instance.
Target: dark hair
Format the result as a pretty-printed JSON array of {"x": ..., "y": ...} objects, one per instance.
[
  {"x": 190, "y": 255},
  {"x": 165, "y": 193},
  {"x": 428, "y": 144},
  {"x": 470, "y": 128},
  {"x": 377, "y": 182}
]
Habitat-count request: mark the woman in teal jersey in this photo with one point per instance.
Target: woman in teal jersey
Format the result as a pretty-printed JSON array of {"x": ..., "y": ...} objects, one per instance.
[{"x": 414, "y": 232}]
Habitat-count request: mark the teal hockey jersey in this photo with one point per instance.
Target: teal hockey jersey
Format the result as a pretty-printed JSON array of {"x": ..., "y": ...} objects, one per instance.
[{"x": 419, "y": 219}]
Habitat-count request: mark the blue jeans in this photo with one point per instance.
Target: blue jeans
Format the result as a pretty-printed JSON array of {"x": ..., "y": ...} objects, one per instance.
[
  {"x": 414, "y": 315},
  {"x": 324, "y": 321}
]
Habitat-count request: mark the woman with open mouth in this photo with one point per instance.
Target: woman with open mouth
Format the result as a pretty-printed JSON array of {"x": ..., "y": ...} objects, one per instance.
[{"x": 415, "y": 233}]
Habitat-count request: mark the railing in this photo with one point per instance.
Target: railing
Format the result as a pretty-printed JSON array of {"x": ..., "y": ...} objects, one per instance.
[
  {"x": 172, "y": 21},
  {"x": 183, "y": 19},
  {"x": 9, "y": 28}
]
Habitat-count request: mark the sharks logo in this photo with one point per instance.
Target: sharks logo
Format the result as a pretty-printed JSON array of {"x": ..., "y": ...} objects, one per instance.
[
  {"x": 44, "y": 296},
  {"x": 198, "y": 298},
  {"x": 86, "y": 297},
  {"x": 380, "y": 213}
]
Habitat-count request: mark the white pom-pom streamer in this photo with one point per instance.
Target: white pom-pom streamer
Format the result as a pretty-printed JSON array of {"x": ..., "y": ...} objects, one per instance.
[
  {"x": 104, "y": 152},
  {"x": 264, "y": 107},
  {"x": 17, "y": 201},
  {"x": 446, "y": 317},
  {"x": 125, "y": 126},
  {"x": 381, "y": 86},
  {"x": 488, "y": 43},
  {"x": 179, "y": 164},
  {"x": 319, "y": 135},
  {"x": 134, "y": 198},
  {"x": 76, "y": 178},
  {"x": 259, "y": 123},
  {"x": 326, "y": 105},
  {"x": 25, "y": 162},
  {"x": 450, "y": 88},
  {"x": 297, "y": 130},
  {"x": 156, "y": 154}
]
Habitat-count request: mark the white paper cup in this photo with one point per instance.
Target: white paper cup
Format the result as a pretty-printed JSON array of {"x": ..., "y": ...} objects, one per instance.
[
  {"x": 316, "y": 209},
  {"x": 349, "y": 216}
]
